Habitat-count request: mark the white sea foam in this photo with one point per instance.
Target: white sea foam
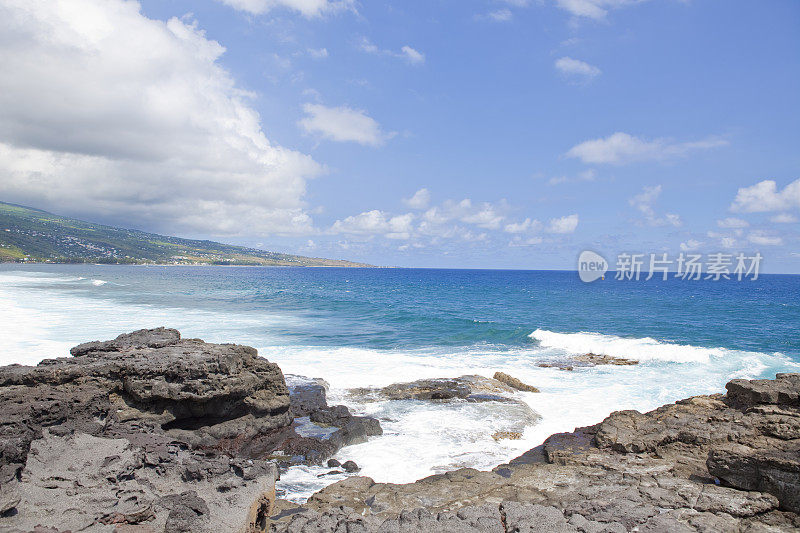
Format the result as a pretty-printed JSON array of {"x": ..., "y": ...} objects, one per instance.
[
  {"x": 39, "y": 319},
  {"x": 642, "y": 349},
  {"x": 98, "y": 282}
]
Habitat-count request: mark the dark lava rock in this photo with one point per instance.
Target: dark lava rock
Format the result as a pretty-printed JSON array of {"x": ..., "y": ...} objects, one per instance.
[
  {"x": 307, "y": 394},
  {"x": 151, "y": 432},
  {"x": 197, "y": 392},
  {"x": 708, "y": 463},
  {"x": 350, "y": 466},
  {"x": 333, "y": 463}
]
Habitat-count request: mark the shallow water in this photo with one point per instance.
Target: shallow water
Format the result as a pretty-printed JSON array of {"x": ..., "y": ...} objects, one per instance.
[{"x": 373, "y": 327}]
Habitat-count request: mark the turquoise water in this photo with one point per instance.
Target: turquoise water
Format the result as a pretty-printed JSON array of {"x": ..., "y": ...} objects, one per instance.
[{"x": 372, "y": 327}]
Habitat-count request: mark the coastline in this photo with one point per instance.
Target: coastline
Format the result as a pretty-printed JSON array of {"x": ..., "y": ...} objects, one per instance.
[{"x": 714, "y": 462}]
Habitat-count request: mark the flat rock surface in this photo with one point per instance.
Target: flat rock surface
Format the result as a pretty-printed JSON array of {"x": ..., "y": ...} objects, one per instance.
[{"x": 84, "y": 483}]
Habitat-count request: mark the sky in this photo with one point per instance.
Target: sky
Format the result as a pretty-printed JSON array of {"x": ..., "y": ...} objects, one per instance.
[{"x": 422, "y": 133}]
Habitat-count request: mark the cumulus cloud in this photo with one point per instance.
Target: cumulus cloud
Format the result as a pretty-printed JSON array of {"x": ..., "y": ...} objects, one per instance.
[
  {"x": 763, "y": 239},
  {"x": 594, "y": 9},
  {"x": 784, "y": 218},
  {"x": 576, "y": 67},
  {"x": 318, "y": 53},
  {"x": 765, "y": 196},
  {"x": 407, "y": 53},
  {"x": 644, "y": 201},
  {"x": 419, "y": 200},
  {"x": 376, "y": 222},
  {"x": 155, "y": 134},
  {"x": 522, "y": 227},
  {"x": 487, "y": 217},
  {"x": 308, "y": 8},
  {"x": 691, "y": 244},
  {"x": 622, "y": 148},
  {"x": 732, "y": 222},
  {"x": 342, "y": 124},
  {"x": 451, "y": 220},
  {"x": 566, "y": 224}
]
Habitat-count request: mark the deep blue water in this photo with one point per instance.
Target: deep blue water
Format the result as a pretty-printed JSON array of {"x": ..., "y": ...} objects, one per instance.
[{"x": 412, "y": 308}]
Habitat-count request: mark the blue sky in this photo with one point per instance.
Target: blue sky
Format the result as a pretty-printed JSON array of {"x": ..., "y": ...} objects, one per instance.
[{"x": 533, "y": 129}]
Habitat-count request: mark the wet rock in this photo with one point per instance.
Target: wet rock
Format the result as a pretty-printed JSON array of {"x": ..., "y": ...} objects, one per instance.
[
  {"x": 514, "y": 383},
  {"x": 333, "y": 463},
  {"x": 350, "y": 466},
  {"x": 307, "y": 395},
  {"x": 506, "y": 435},
  {"x": 600, "y": 359},
  {"x": 708, "y": 463},
  {"x": 319, "y": 430},
  {"x": 477, "y": 388},
  {"x": 337, "y": 415}
]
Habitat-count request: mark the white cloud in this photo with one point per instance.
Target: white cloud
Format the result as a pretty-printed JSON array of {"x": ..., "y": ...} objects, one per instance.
[
  {"x": 586, "y": 175},
  {"x": 368, "y": 222},
  {"x": 764, "y": 196},
  {"x": 414, "y": 57},
  {"x": 308, "y": 8},
  {"x": 761, "y": 238},
  {"x": 343, "y": 124},
  {"x": 644, "y": 201},
  {"x": 407, "y": 53},
  {"x": 318, "y": 53},
  {"x": 486, "y": 217},
  {"x": 420, "y": 200},
  {"x": 784, "y": 218},
  {"x": 156, "y": 135},
  {"x": 498, "y": 15},
  {"x": 501, "y": 15},
  {"x": 594, "y": 9},
  {"x": 691, "y": 244},
  {"x": 575, "y": 67},
  {"x": 565, "y": 224},
  {"x": 732, "y": 222},
  {"x": 376, "y": 222},
  {"x": 531, "y": 241},
  {"x": 622, "y": 148},
  {"x": 522, "y": 227}
]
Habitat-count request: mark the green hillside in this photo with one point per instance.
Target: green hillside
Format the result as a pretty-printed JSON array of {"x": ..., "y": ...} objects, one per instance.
[{"x": 31, "y": 235}]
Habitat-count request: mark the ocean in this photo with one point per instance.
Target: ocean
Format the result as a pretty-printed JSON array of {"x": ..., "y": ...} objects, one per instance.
[{"x": 374, "y": 327}]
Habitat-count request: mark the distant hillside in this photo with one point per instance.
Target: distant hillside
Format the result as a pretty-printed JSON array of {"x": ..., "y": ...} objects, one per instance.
[{"x": 28, "y": 234}]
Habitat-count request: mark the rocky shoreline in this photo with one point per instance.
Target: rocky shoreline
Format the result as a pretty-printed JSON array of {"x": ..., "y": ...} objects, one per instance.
[{"x": 150, "y": 432}]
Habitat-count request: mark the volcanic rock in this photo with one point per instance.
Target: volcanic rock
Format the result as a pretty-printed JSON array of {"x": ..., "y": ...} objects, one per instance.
[{"x": 708, "y": 463}]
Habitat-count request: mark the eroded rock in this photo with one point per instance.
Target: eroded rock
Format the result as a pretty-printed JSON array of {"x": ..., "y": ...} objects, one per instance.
[
  {"x": 708, "y": 463},
  {"x": 514, "y": 383}
]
